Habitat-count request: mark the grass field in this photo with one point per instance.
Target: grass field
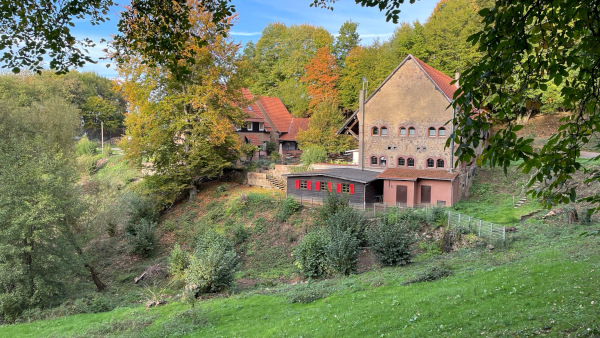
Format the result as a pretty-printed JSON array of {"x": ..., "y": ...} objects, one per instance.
[{"x": 546, "y": 282}]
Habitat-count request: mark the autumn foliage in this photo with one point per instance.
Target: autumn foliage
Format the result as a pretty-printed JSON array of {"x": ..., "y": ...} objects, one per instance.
[{"x": 321, "y": 78}]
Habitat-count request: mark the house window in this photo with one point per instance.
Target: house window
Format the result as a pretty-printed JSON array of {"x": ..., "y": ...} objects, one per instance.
[
  {"x": 237, "y": 128},
  {"x": 249, "y": 126},
  {"x": 440, "y": 163},
  {"x": 383, "y": 131},
  {"x": 345, "y": 188},
  {"x": 431, "y": 132},
  {"x": 401, "y": 161},
  {"x": 303, "y": 184},
  {"x": 410, "y": 162},
  {"x": 402, "y": 131},
  {"x": 323, "y": 186},
  {"x": 382, "y": 160},
  {"x": 261, "y": 126},
  {"x": 374, "y": 160},
  {"x": 430, "y": 163},
  {"x": 442, "y": 131},
  {"x": 412, "y": 131},
  {"x": 375, "y": 131}
]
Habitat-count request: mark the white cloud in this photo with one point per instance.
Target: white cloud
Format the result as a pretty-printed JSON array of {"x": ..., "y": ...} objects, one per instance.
[{"x": 236, "y": 33}]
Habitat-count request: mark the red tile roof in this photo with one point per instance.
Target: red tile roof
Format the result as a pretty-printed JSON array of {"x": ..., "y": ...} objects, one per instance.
[
  {"x": 414, "y": 174},
  {"x": 253, "y": 139},
  {"x": 440, "y": 79},
  {"x": 252, "y": 110},
  {"x": 296, "y": 125},
  {"x": 277, "y": 112}
]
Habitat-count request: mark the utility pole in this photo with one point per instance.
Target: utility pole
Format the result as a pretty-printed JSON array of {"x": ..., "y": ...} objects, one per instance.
[{"x": 102, "y": 135}]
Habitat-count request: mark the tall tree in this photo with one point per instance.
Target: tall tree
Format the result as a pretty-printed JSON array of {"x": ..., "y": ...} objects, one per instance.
[
  {"x": 531, "y": 44},
  {"x": 39, "y": 200},
  {"x": 347, "y": 39},
  {"x": 322, "y": 127},
  {"x": 446, "y": 32},
  {"x": 181, "y": 118},
  {"x": 281, "y": 56},
  {"x": 409, "y": 39},
  {"x": 321, "y": 77}
]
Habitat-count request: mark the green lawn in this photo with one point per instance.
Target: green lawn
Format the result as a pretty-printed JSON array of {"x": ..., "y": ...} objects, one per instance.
[{"x": 547, "y": 282}]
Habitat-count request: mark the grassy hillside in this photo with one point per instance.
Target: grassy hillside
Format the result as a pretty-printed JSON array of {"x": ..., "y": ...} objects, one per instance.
[
  {"x": 546, "y": 283},
  {"x": 543, "y": 281}
]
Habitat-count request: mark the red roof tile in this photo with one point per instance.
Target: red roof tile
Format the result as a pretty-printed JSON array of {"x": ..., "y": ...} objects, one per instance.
[
  {"x": 440, "y": 79},
  {"x": 414, "y": 174},
  {"x": 252, "y": 110},
  {"x": 277, "y": 112},
  {"x": 296, "y": 125}
]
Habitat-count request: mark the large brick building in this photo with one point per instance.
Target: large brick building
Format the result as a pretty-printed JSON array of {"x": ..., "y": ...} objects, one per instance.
[{"x": 402, "y": 130}]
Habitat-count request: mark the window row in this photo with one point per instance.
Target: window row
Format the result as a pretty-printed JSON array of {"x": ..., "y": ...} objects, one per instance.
[
  {"x": 346, "y": 188},
  {"x": 251, "y": 126},
  {"x": 407, "y": 162},
  {"x": 409, "y": 131}
]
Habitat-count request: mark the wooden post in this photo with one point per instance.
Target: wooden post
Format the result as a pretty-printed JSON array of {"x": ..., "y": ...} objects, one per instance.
[
  {"x": 469, "y": 223},
  {"x": 504, "y": 233},
  {"x": 374, "y": 209},
  {"x": 479, "y": 228},
  {"x": 448, "y": 218},
  {"x": 491, "y": 230}
]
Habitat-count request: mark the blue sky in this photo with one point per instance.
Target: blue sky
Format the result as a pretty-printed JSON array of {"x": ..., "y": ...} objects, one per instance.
[{"x": 255, "y": 15}]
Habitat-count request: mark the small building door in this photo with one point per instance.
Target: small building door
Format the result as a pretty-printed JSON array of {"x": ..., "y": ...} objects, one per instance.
[
  {"x": 401, "y": 194},
  {"x": 425, "y": 194}
]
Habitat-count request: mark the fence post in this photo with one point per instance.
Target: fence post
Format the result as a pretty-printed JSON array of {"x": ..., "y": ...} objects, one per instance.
[
  {"x": 448, "y": 218},
  {"x": 504, "y": 233},
  {"x": 469, "y": 223},
  {"x": 374, "y": 209},
  {"x": 479, "y": 228},
  {"x": 364, "y": 205},
  {"x": 491, "y": 230},
  {"x": 459, "y": 219}
]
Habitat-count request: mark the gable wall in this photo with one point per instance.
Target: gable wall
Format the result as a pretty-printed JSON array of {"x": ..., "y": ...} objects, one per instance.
[{"x": 409, "y": 98}]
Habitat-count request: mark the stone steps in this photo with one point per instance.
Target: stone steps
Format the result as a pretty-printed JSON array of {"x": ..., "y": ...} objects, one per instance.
[
  {"x": 523, "y": 199},
  {"x": 275, "y": 183}
]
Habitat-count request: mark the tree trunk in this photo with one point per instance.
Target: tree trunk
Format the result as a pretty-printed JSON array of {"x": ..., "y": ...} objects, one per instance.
[
  {"x": 99, "y": 285},
  {"x": 193, "y": 193}
]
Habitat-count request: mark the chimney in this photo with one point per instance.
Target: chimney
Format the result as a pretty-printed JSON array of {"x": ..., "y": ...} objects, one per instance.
[
  {"x": 457, "y": 77},
  {"x": 361, "y": 129}
]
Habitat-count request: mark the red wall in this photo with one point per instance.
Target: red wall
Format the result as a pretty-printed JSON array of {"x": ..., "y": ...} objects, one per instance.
[{"x": 440, "y": 191}]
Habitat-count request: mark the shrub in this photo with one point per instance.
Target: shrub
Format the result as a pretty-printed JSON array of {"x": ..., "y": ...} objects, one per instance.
[
  {"x": 287, "y": 208},
  {"x": 314, "y": 154},
  {"x": 85, "y": 147},
  {"x": 143, "y": 238},
  {"x": 349, "y": 219},
  {"x": 310, "y": 253},
  {"x": 586, "y": 216},
  {"x": 213, "y": 265},
  {"x": 342, "y": 250},
  {"x": 139, "y": 209},
  {"x": 240, "y": 234},
  {"x": 439, "y": 216},
  {"x": 86, "y": 164},
  {"x": 332, "y": 204},
  {"x": 275, "y": 157},
  {"x": 433, "y": 273},
  {"x": 390, "y": 242},
  {"x": 308, "y": 293},
  {"x": 178, "y": 262}
]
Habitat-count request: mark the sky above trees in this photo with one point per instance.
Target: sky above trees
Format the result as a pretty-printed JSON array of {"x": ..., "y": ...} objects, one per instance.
[{"x": 255, "y": 15}]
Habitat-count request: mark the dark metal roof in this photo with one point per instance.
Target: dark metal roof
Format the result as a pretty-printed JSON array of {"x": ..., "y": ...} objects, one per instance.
[{"x": 350, "y": 174}]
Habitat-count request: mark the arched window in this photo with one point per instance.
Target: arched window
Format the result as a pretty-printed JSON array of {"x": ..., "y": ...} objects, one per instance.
[
  {"x": 402, "y": 131},
  {"x": 382, "y": 161},
  {"x": 430, "y": 163},
  {"x": 401, "y": 161},
  {"x": 383, "y": 131},
  {"x": 374, "y": 160},
  {"x": 412, "y": 131},
  {"x": 440, "y": 163},
  {"x": 442, "y": 131},
  {"x": 375, "y": 131},
  {"x": 432, "y": 132},
  {"x": 410, "y": 162}
]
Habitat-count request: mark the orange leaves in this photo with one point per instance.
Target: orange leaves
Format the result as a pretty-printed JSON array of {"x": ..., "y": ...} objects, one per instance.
[{"x": 321, "y": 78}]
